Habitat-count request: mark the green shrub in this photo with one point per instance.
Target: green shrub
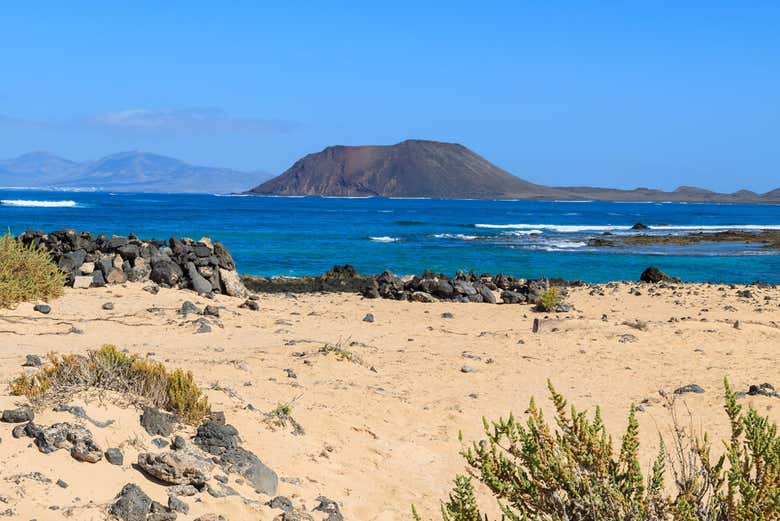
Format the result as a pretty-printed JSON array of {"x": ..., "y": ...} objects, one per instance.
[
  {"x": 184, "y": 397},
  {"x": 550, "y": 300},
  {"x": 109, "y": 369},
  {"x": 570, "y": 472},
  {"x": 26, "y": 273}
]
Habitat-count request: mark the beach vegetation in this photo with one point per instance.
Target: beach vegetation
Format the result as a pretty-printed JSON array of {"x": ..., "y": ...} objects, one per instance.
[
  {"x": 340, "y": 352},
  {"x": 550, "y": 300},
  {"x": 27, "y": 273},
  {"x": 568, "y": 469},
  {"x": 281, "y": 417},
  {"x": 109, "y": 369}
]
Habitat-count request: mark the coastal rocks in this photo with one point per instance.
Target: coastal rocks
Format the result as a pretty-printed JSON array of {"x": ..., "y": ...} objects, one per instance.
[
  {"x": 690, "y": 388},
  {"x": 166, "y": 272},
  {"x": 76, "y": 438},
  {"x": 764, "y": 389},
  {"x": 654, "y": 275},
  {"x": 85, "y": 449},
  {"x": 464, "y": 287},
  {"x": 131, "y": 504},
  {"x": 216, "y": 438},
  {"x": 44, "y": 309},
  {"x": 96, "y": 260},
  {"x": 250, "y": 305},
  {"x": 222, "y": 440},
  {"x": 82, "y": 281},
  {"x": 176, "y": 468},
  {"x": 640, "y": 226},
  {"x": 197, "y": 281},
  {"x": 32, "y": 361},
  {"x": 157, "y": 423},
  {"x": 329, "y": 507},
  {"x": 231, "y": 283},
  {"x": 115, "y": 456},
  {"x": 18, "y": 415}
]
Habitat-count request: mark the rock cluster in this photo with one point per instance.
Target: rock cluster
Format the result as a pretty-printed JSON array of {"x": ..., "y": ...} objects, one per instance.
[
  {"x": 464, "y": 287},
  {"x": 70, "y": 436},
  {"x": 222, "y": 440},
  {"x": 96, "y": 260}
]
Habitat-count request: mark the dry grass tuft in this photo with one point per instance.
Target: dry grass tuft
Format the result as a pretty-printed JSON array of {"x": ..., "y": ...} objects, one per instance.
[
  {"x": 143, "y": 381},
  {"x": 27, "y": 273}
]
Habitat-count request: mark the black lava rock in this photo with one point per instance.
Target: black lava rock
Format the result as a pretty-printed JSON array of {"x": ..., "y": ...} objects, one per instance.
[{"x": 157, "y": 422}]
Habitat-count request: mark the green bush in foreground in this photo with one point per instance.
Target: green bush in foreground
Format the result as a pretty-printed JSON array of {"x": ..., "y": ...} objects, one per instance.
[
  {"x": 26, "y": 273},
  {"x": 550, "y": 300},
  {"x": 572, "y": 473},
  {"x": 109, "y": 369}
]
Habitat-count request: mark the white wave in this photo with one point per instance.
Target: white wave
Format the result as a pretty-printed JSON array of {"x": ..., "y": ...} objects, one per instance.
[
  {"x": 573, "y": 201},
  {"x": 562, "y": 245},
  {"x": 41, "y": 204},
  {"x": 384, "y": 239},
  {"x": 563, "y": 228},
  {"x": 459, "y": 236},
  {"x": 524, "y": 232},
  {"x": 573, "y": 228}
]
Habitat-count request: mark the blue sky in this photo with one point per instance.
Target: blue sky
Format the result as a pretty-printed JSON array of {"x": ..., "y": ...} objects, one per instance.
[{"x": 620, "y": 94}]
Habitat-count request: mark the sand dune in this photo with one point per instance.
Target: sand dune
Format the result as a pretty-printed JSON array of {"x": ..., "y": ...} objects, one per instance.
[{"x": 381, "y": 430}]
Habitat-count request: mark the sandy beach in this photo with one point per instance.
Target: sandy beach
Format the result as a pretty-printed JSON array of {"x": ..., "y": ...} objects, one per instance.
[{"x": 380, "y": 424}]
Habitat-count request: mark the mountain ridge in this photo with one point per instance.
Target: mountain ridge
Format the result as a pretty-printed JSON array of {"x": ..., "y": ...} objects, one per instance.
[
  {"x": 421, "y": 168},
  {"x": 127, "y": 171}
]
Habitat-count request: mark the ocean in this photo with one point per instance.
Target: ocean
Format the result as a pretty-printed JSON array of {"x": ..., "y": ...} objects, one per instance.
[{"x": 303, "y": 236}]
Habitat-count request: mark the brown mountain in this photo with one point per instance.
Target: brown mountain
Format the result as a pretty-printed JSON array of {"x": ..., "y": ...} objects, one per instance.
[{"x": 417, "y": 168}]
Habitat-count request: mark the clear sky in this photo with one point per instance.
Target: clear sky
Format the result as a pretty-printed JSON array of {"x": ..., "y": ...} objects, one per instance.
[{"x": 619, "y": 94}]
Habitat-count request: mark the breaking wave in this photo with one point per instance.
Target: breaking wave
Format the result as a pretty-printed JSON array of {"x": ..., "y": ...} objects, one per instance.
[{"x": 39, "y": 204}]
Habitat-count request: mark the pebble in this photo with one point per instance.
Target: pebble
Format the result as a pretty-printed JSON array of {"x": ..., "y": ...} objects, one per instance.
[
  {"x": 178, "y": 442},
  {"x": 250, "y": 305},
  {"x": 32, "y": 361},
  {"x": 160, "y": 442},
  {"x": 368, "y": 318},
  {"x": 42, "y": 308},
  {"x": 108, "y": 306},
  {"x": 115, "y": 456},
  {"x": 18, "y": 415},
  {"x": 468, "y": 369},
  {"x": 690, "y": 388}
]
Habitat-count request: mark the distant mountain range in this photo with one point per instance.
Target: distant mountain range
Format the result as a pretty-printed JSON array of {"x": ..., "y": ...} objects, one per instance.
[
  {"x": 417, "y": 168},
  {"x": 412, "y": 168},
  {"x": 122, "y": 172}
]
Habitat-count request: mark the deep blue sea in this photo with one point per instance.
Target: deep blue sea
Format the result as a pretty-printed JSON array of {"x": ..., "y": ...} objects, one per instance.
[{"x": 297, "y": 236}]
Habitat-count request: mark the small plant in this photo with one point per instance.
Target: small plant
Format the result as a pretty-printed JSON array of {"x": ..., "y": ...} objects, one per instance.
[
  {"x": 109, "y": 369},
  {"x": 281, "y": 416},
  {"x": 341, "y": 353},
  {"x": 185, "y": 398},
  {"x": 639, "y": 325},
  {"x": 27, "y": 273},
  {"x": 571, "y": 473},
  {"x": 550, "y": 300}
]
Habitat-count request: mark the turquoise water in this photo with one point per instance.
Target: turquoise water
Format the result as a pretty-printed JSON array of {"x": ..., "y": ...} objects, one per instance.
[{"x": 297, "y": 236}]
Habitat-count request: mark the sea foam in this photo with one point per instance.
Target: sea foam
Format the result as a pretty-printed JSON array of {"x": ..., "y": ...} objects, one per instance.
[{"x": 40, "y": 204}]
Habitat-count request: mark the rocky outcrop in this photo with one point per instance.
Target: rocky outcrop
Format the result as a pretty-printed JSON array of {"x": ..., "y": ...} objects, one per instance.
[
  {"x": 464, "y": 287},
  {"x": 96, "y": 260},
  {"x": 222, "y": 440},
  {"x": 176, "y": 468},
  {"x": 654, "y": 275},
  {"x": 70, "y": 436}
]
